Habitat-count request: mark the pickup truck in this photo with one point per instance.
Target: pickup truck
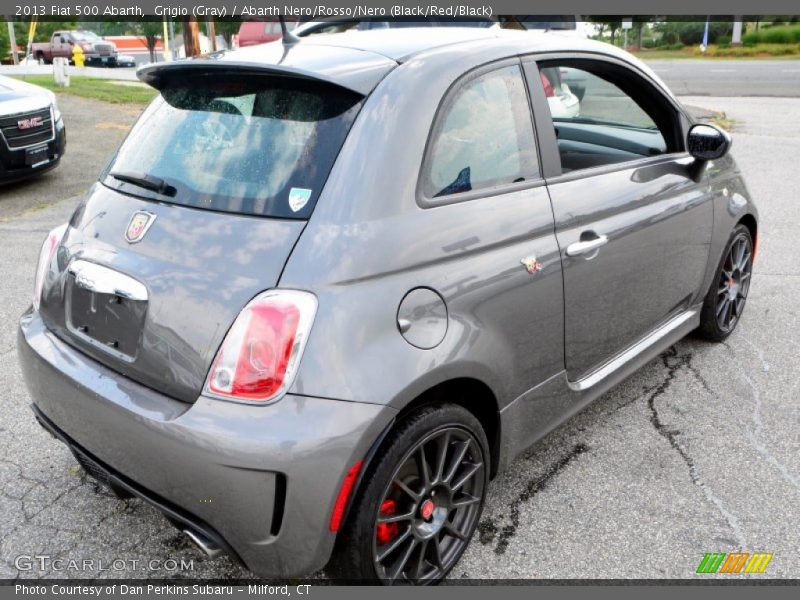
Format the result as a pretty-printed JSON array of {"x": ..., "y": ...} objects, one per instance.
[{"x": 97, "y": 51}]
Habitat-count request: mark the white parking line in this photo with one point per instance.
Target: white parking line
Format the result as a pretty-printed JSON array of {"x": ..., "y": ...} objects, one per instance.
[
  {"x": 790, "y": 70},
  {"x": 723, "y": 70}
]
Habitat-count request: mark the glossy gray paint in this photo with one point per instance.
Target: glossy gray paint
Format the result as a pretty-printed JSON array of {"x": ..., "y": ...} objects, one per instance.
[
  {"x": 200, "y": 267},
  {"x": 371, "y": 240},
  {"x": 217, "y": 460}
]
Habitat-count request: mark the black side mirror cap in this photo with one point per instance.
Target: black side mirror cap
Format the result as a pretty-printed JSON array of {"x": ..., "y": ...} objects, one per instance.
[{"x": 707, "y": 142}]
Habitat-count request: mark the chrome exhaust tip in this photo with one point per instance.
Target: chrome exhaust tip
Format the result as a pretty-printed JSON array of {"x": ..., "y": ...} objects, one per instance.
[{"x": 206, "y": 546}]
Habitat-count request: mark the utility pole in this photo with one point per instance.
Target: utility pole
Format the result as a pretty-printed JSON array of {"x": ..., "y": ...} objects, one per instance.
[
  {"x": 211, "y": 32},
  {"x": 736, "y": 39},
  {"x": 191, "y": 37},
  {"x": 172, "y": 54},
  {"x": 12, "y": 38},
  {"x": 165, "y": 50}
]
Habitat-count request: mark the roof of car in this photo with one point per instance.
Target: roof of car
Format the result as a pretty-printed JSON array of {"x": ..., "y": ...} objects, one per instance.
[{"x": 358, "y": 60}]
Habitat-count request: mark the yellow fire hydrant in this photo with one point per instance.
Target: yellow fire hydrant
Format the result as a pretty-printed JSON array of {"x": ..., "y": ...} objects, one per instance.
[{"x": 78, "y": 57}]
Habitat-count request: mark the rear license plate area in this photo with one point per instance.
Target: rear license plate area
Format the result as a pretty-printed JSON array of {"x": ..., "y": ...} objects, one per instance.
[
  {"x": 36, "y": 156},
  {"x": 106, "y": 321}
]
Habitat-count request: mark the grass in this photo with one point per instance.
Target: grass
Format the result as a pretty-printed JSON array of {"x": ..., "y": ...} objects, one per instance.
[
  {"x": 760, "y": 51},
  {"x": 720, "y": 119},
  {"x": 115, "y": 92}
]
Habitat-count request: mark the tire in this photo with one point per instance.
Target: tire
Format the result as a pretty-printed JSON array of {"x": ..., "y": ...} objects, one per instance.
[
  {"x": 727, "y": 296},
  {"x": 431, "y": 525}
]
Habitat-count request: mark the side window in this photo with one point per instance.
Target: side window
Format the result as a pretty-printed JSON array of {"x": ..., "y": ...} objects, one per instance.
[
  {"x": 483, "y": 137},
  {"x": 596, "y": 122}
]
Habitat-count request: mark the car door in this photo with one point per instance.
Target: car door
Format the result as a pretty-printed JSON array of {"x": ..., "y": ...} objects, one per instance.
[
  {"x": 632, "y": 219},
  {"x": 60, "y": 46}
]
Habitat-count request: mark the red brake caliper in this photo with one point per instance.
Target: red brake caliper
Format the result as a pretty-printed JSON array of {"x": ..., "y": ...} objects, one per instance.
[{"x": 386, "y": 531}]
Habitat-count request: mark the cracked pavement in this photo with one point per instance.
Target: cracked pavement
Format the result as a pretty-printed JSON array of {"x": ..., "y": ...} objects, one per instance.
[{"x": 697, "y": 452}]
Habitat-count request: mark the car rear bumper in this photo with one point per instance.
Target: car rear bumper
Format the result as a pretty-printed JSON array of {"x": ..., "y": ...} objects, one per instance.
[
  {"x": 12, "y": 160},
  {"x": 257, "y": 481}
]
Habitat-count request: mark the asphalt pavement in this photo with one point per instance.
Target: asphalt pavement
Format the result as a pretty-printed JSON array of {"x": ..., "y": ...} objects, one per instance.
[
  {"x": 727, "y": 77},
  {"x": 695, "y": 453}
]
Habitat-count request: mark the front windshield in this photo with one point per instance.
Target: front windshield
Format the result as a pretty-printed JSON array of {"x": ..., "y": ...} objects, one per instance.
[
  {"x": 85, "y": 36},
  {"x": 250, "y": 145},
  {"x": 560, "y": 23}
]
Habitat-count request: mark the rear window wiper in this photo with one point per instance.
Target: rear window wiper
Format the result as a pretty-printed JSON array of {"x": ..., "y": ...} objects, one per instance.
[{"x": 143, "y": 180}]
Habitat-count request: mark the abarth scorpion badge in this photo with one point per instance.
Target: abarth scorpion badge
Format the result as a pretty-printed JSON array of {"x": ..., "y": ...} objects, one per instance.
[{"x": 531, "y": 265}]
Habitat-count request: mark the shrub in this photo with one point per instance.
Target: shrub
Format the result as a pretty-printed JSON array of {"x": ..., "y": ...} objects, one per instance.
[
  {"x": 785, "y": 34},
  {"x": 724, "y": 41}
]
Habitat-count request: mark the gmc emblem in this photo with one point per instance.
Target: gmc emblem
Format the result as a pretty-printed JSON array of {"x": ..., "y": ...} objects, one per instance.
[{"x": 29, "y": 123}]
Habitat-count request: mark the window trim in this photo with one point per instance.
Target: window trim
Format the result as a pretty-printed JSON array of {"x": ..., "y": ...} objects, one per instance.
[
  {"x": 545, "y": 126},
  {"x": 445, "y": 103}
]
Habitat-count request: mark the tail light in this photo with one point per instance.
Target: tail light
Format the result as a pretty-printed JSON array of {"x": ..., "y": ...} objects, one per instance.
[
  {"x": 45, "y": 259},
  {"x": 259, "y": 358}
]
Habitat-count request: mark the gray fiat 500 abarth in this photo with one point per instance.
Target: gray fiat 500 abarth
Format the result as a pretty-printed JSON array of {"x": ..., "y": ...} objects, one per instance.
[{"x": 332, "y": 287}]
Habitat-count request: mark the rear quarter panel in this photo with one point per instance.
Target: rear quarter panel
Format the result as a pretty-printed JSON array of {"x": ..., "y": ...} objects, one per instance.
[{"x": 369, "y": 242}]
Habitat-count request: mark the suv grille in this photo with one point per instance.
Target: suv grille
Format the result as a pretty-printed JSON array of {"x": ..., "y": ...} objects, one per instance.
[{"x": 23, "y": 129}]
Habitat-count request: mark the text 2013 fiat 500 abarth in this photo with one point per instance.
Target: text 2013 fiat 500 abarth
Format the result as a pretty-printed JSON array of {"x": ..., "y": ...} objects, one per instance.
[{"x": 332, "y": 287}]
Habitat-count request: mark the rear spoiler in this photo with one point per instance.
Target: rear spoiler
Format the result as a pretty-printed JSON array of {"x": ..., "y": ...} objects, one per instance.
[{"x": 361, "y": 78}]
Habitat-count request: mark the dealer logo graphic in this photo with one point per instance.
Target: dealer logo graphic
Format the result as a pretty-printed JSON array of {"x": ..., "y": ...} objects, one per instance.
[{"x": 736, "y": 562}]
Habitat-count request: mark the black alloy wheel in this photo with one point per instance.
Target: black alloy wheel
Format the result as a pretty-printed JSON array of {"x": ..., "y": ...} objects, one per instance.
[{"x": 430, "y": 507}]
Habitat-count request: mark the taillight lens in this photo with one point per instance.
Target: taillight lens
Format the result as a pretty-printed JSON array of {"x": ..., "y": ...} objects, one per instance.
[
  {"x": 259, "y": 358},
  {"x": 45, "y": 259}
]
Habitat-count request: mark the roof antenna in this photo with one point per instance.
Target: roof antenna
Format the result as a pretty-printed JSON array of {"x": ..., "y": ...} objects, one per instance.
[{"x": 288, "y": 37}]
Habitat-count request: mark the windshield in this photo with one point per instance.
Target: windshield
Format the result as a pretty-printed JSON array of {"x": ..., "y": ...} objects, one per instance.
[
  {"x": 249, "y": 145},
  {"x": 561, "y": 23},
  {"x": 85, "y": 36}
]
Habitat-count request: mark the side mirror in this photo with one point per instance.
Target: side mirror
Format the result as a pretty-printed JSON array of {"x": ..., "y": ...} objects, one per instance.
[{"x": 707, "y": 142}]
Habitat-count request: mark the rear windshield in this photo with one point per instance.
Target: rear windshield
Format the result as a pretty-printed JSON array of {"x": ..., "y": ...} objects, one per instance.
[{"x": 249, "y": 145}]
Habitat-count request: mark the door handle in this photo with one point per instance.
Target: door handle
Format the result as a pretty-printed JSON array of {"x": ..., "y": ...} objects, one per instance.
[{"x": 579, "y": 248}]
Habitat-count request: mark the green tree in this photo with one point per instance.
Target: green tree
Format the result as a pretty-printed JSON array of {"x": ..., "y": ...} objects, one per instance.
[
  {"x": 227, "y": 27},
  {"x": 613, "y": 23},
  {"x": 151, "y": 31}
]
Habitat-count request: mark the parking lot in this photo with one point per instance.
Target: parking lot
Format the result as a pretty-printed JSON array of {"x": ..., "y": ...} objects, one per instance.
[{"x": 697, "y": 452}]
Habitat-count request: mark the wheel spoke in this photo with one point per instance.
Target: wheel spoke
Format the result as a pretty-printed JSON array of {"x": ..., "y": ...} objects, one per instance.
[
  {"x": 396, "y": 518},
  {"x": 722, "y": 306},
  {"x": 441, "y": 458},
  {"x": 414, "y": 495},
  {"x": 451, "y": 530},
  {"x": 729, "y": 314},
  {"x": 422, "y": 465},
  {"x": 738, "y": 305},
  {"x": 456, "y": 462},
  {"x": 437, "y": 552},
  {"x": 394, "y": 545},
  {"x": 420, "y": 569},
  {"x": 468, "y": 473},
  {"x": 723, "y": 289},
  {"x": 401, "y": 564},
  {"x": 743, "y": 263},
  {"x": 466, "y": 501},
  {"x": 741, "y": 247},
  {"x": 745, "y": 276}
]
